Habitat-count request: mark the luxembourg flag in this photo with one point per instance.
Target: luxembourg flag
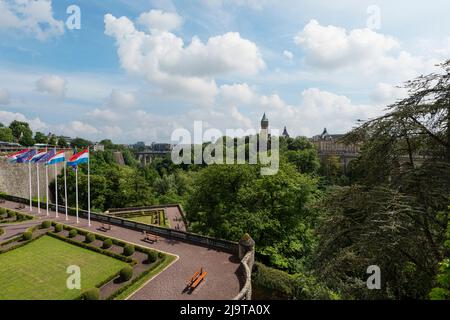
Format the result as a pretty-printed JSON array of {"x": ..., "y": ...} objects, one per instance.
[
  {"x": 57, "y": 158},
  {"x": 80, "y": 157},
  {"x": 13, "y": 157}
]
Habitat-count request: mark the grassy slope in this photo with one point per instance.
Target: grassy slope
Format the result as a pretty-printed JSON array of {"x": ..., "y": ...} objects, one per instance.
[{"x": 38, "y": 270}]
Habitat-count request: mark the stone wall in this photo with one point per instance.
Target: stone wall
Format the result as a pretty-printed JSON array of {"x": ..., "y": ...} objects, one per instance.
[
  {"x": 247, "y": 256},
  {"x": 14, "y": 179}
]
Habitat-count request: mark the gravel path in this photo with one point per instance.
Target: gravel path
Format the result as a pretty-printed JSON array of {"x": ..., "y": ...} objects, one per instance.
[{"x": 222, "y": 281}]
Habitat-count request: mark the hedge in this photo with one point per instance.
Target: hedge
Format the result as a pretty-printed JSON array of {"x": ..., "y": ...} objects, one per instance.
[
  {"x": 126, "y": 273},
  {"x": 152, "y": 256},
  {"x": 107, "y": 243},
  {"x": 2, "y": 231},
  {"x": 136, "y": 279},
  {"x": 27, "y": 235},
  {"x": 73, "y": 233},
  {"x": 90, "y": 237},
  {"x": 46, "y": 224},
  {"x": 277, "y": 284},
  {"x": 58, "y": 228},
  {"x": 91, "y": 294},
  {"x": 128, "y": 250}
]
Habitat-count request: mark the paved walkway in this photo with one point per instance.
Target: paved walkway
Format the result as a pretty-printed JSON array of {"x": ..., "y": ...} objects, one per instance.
[
  {"x": 222, "y": 281},
  {"x": 175, "y": 218}
]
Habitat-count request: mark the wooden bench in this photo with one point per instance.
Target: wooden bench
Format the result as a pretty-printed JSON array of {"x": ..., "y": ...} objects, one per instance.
[
  {"x": 20, "y": 207},
  {"x": 199, "y": 279},
  {"x": 196, "y": 279},
  {"x": 105, "y": 227},
  {"x": 150, "y": 237},
  {"x": 2, "y": 200}
]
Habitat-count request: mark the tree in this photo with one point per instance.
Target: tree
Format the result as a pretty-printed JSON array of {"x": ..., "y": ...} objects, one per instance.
[
  {"x": 392, "y": 215},
  {"x": 22, "y": 132},
  {"x": 39, "y": 137},
  {"x": 80, "y": 143},
  {"x": 62, "y": 143},
  {"x": 6, "y": 134}
]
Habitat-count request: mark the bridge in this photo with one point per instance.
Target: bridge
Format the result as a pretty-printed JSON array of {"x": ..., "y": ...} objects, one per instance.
[{"x": 147, "y": 156}]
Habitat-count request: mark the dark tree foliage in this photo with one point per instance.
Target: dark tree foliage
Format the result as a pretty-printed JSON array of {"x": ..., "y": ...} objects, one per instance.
[{"x": 393, "y": 215}]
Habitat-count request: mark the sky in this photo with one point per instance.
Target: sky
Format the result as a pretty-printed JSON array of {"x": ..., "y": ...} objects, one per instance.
[{"x": 137, "y": 70}]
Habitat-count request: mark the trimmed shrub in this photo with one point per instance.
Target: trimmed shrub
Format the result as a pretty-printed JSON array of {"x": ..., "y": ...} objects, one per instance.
[
  {"x": 11, "y": 214},
  {"x": 45, "y": 224},
  {"x": 107, "y": 243},
  {"x": 152, "y": 256},
  {"x": 27, "y": 236},
  {"x": 91, "y": 294},
  {"x": 1, "y": 231},
  {"x": 73, "y": 233},
  {"x": 128, "y": 250},
  {"x": 126, "y": 273},
  {"x": 2, "y": 211},
  {"x": 89, "y": 238},
  {"x": 58, "y": 228},
  {"x": 160, "y": 255}
]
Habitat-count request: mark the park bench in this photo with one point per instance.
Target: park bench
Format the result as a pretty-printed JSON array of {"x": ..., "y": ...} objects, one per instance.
[
  {"x": 105, "y": 227},
  {"x": 196, "y": 279},
  {"x": 2, "y": 200},
  {"x": 150, "y": 237}
]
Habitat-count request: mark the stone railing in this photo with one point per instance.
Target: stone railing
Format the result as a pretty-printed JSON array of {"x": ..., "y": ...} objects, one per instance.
[{"x": 247, "y": 256}]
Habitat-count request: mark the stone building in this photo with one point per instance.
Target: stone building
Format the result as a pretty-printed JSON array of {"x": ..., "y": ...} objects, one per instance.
[{"x": 330, "y": 144}]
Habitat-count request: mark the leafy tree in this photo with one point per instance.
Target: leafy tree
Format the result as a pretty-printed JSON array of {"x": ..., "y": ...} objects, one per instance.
[
  {"x": 392, "y": 215},
  {"x": 6, "y": 134},
  {"x": 80, "y": 143},
  {"x": 62, "y": 143},
  {"x": 22, "y": 133},
  {"x": 39, "y": 137}
]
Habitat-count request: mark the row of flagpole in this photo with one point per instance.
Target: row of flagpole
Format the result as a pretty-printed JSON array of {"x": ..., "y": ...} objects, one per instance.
[{"x": 52, "y": 157}]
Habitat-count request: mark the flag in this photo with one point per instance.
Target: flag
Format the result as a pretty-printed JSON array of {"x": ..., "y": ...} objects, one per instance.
[
  {"x": 13, "y": 157},
  {"x": 47, "y": 156},
  {"x": 57, "y": 158},
  {"x": 38, "y": 156},
  {"x": 80, "y": 157},
  {"x": 26, "y": 156}
]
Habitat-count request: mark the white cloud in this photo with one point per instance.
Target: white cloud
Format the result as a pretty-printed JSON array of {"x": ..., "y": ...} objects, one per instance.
[
  {"x": 237, "y": 93},
  {"x": 103, "y": 115},
  {"x": 53, "y": 85},
  {"x": 34, "y": 17},
  {"x": 288, "y": 54},
  {"x": 7, "y": 117},
  {"x": 334, "y": 47},
  {"x": 4, "y": 96},
  {"x": 121, "y": 100},
  {"x": 77, "y": 129},
  {"x": 159, "y": 20},
  {"x": 386, "y": 94},
  {"x": 181, "y": 70}
]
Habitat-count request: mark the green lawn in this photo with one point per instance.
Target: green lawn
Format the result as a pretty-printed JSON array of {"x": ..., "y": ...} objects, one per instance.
[
  {"x": 37, "y": 271},
  {"x": 148, "y": 220}
]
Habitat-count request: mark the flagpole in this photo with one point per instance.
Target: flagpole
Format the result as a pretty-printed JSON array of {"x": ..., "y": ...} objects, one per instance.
[
  {"x": 46, "y": 185},
  {"x": 76, "y": 190},
  {"x": 29, "y": 178},
  {"x": 56, "y": 187},
  {"x": 89, "y": 191},
  {"x": 38, "y": 192},
  {"x": 65, "y": 186}
]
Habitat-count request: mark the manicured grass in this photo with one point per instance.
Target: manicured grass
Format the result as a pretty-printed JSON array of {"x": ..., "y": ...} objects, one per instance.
[
  {"x": 37, "y": 271},
  {"x": 149, "y": 220}
]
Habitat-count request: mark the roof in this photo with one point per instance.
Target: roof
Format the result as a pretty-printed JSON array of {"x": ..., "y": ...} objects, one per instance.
[{"x": 264, "y": 118}]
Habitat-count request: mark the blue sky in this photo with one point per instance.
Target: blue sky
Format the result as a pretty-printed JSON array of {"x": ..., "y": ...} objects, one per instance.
[{"x": 137, "y": 70}]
